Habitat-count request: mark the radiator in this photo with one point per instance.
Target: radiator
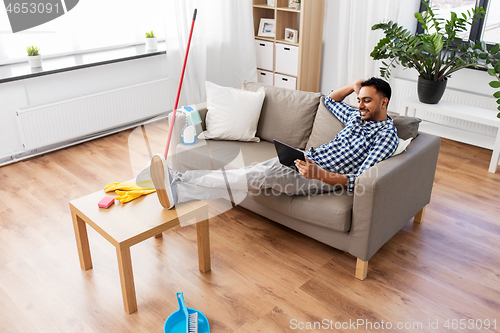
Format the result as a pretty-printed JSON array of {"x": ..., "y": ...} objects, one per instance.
[
  {"x": 461, "y": 130},
  {"x": 66, "y": 120}
]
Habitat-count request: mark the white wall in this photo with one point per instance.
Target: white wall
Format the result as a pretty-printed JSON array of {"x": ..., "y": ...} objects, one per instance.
[{"x": 55, "y": 87}]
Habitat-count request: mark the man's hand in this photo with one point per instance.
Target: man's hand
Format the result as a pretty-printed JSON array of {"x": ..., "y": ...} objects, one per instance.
[
  {"x": 340, "y": 94},
  {"x": 308, "y": 169},
  {"x": 357, "y": 86}
]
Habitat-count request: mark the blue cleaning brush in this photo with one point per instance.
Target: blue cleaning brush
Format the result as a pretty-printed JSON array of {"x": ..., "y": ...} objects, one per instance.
[{"x": 186, "y": 320}]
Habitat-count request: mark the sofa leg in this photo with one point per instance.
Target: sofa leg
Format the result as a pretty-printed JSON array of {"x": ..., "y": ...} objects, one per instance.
[
  {"x": 361, "y": 269},
  {"x": 419, "y": 218}
]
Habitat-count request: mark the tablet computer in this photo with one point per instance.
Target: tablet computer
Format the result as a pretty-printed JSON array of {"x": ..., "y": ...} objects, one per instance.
[{"x": 287, "y": 154}]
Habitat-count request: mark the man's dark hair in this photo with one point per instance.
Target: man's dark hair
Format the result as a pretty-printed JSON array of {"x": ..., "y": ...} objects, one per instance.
[{"x": 380, "y": 85}]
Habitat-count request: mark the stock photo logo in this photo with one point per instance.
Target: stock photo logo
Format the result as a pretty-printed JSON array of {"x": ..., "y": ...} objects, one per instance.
[{"x": 26, "y": 14}]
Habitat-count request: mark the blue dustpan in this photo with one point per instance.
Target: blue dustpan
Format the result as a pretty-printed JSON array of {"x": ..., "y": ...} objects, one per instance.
[{"x": 177, "y": 322}]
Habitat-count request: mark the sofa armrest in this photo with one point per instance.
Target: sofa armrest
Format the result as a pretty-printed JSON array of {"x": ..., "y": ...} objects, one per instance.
[
  {"x": 180, "y": 122},
  {"x": 390, "y": 193}
]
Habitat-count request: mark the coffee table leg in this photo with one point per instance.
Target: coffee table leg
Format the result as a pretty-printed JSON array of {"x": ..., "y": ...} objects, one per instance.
[
  {"x": 126, "y": 279},
  {"x": 82, "y": 241},
  {"x": 203, "y": 236}
]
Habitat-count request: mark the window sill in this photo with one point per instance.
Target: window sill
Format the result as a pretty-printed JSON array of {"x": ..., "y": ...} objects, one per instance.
[{"x": 21, "y": 71}]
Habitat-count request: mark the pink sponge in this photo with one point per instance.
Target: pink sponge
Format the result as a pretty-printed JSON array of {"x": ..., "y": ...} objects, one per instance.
[{"x": 106, "y": 202}]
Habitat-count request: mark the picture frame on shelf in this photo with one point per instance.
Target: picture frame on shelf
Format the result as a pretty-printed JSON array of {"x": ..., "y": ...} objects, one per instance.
[
  {"x": 267, "y": 28},
  {"x": 291, "y": 35},
  {"x": 270, "y": 3}
]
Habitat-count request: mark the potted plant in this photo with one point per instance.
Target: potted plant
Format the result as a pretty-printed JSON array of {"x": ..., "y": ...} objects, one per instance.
[
  {"x": 34, "y": 57},
  {"x": 151, "y": 41},
  {"x": 297, "y": 5},
  {"x": 437, "y": 53},
  {"x": 495, "y": 71}
]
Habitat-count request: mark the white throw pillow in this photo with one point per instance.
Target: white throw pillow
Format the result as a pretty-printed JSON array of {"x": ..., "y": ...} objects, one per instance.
[
  {"x": 233, "y": 114},
  {"x": 402, "y": 146}
]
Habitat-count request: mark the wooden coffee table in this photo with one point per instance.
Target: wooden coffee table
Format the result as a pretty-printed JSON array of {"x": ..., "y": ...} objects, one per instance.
[{"x": 124, "y": 225}]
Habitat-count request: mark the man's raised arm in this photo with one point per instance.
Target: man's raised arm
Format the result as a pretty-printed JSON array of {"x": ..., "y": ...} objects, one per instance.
[{"x": 341, "y": 93}]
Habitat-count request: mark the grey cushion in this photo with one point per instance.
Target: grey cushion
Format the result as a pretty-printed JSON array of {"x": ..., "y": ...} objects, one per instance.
[
  {"x": 407, "y": 127},
  {"x": 287, "y": 115},
  {"x": 330, "y": 210},
  {"x": 325, "y": 126}
]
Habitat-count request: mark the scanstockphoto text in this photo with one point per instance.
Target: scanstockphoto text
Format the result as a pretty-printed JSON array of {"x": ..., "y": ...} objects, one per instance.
[
  {"x": 294, "y": 186},
  {"x": 465, "y": 324}
]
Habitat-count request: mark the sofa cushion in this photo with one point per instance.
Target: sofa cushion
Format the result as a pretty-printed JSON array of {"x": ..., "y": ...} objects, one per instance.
[
  {"x": 325, "y": 126},
  {"x": 233, "y": 114},
  {"x": 330, "y": 210},
  {"x": 407, "y": 127},
  {"x": 402, "y": 145},
  {"x": 287, "y": 115}
]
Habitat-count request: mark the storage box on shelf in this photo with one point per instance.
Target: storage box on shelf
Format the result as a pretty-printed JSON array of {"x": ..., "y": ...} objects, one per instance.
[
  {"x": 287, "y": 59},
  {"x": 265, "y": 77},
  {"x": 294, "y": 65}
]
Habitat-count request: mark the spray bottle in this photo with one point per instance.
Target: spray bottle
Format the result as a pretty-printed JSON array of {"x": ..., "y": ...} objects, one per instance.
[{"x": 188, "y": 135}]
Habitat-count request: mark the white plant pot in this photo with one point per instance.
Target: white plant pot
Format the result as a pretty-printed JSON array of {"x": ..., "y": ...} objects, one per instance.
[
  {"x": 151, "y": 44},
  {"x": 35, "y": 61},
  {"x": 297, "y": 6}
]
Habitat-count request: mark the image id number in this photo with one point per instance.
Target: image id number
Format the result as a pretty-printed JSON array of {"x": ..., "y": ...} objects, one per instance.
[
  {"x": 470, "y": 324},
  {"x": 32, "y": 8}
]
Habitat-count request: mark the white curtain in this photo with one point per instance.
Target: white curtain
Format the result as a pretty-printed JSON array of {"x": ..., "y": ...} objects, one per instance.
[
  {"x": 222, "y": 47},
  {"x": 349, "y": 40}
]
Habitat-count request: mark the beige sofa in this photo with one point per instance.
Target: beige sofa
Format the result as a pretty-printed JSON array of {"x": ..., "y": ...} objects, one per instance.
[{"x": 387, "y": 196}]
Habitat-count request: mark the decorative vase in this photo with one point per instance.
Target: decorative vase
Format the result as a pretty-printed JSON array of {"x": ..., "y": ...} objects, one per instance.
[
  {"x": 35, "y": 61},
  {"x": 151, "y": 44},
  {"x": 430, "y": 92}
]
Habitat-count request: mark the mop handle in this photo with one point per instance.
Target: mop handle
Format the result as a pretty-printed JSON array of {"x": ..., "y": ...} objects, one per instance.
[{"x": 180, "y": 86}]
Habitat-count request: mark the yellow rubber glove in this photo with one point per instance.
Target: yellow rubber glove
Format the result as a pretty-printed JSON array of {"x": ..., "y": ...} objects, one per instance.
[
  {"x": 123, "y": 186},
  {"x": 126, "y": 196}
]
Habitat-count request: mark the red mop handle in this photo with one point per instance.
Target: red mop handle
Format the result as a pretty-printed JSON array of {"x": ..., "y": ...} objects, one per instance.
[{"x": 180, "y": 86}]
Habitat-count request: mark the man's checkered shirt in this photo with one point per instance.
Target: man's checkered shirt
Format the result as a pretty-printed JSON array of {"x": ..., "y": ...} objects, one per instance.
[{"x": 359, "y": 146}]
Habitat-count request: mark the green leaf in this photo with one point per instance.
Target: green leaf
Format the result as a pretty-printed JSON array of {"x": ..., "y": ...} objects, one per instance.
[
  {"x": 419, "y": 17},
  {"x": 495, "y": 84},
  {"x": 491, "y": 71},
  {"x": 495, "y": 49},
  {"x": 497, "y": 94},
  {"x": 483, "y": 55},
  {"x": 498, "y": 115}
]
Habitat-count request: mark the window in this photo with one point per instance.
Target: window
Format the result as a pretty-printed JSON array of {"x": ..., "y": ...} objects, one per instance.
[
  {"x": 485, "y": 29},
  {"x": 91, "y": 24}
]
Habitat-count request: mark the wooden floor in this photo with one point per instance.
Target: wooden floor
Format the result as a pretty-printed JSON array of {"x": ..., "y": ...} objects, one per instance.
[{"x": 264, "y": 278}]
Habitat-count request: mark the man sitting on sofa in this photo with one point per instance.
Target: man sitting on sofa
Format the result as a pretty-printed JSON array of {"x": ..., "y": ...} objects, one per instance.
[{"x": 369, "y": 136}]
